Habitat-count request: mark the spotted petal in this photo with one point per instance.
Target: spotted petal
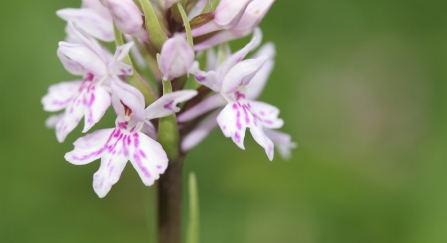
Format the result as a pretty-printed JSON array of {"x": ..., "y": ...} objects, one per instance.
[
  {"x": 266, "y": 114},
  {"x": 117, "y": 65},
  {"x": 148, "y": 158},
  {"x": 209, "y": 79},
  {"x": 233, "y": 120},
  {"x": 60, "y": 95}
]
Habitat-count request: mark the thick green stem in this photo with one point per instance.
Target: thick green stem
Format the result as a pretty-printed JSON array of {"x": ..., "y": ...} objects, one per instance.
[{"x": 170, "y": 203}]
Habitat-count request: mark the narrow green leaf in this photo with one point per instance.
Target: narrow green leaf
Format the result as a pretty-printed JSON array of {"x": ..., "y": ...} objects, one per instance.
[
  {"x": 151, "y": 213},
  {"x": 192, "y": 236},
  {"x": 135, "y": 79},
  {"x": 186, "y": 23},
  {"x": 168, "y": 135},
  {"x": 156, "y": 34}
]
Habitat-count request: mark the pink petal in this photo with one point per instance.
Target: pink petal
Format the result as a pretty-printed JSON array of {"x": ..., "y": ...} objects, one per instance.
[
  {"x": 209, "y": 104},
  {"x": 176, "y": 57},
  {"x": 242, "y": 73},
  {"x": 167, "y": 104},
  {"x": 85, "y": 57},
  {"x": 60, "y": 95},
  {"x": 255, "y": 12},
  {"x": 72, "y": 116},
  {"x": 209, "y": 79},
  {"x": 126, "y": 15},
  {"x": 199, "y": 133},
  {"x": 89, "y": 21},
  {"x": 148, "y": 158},
  {"x": 218, "y": 38},
  {"x": 229, "y": 12}
]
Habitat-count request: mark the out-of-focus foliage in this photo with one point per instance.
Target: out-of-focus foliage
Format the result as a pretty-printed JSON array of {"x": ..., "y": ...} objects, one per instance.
[{"x": 362, "y": 86}]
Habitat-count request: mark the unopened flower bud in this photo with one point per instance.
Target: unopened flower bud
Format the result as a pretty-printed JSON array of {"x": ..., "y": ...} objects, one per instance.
[
  {"x": 177, "y": 57},
  {"x": 229, "y": 12},
  {"x": 127, "y": 17}
]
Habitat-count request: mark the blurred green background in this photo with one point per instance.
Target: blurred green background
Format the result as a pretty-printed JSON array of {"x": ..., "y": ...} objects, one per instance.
[{"x": 362, "y": 88}]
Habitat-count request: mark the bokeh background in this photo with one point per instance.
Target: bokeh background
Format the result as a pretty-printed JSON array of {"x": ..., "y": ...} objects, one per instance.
[{"x": 362, "y": 86}]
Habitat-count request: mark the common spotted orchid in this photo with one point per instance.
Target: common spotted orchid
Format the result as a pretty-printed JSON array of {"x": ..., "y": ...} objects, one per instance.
[
  {"x": 89, "y": 97},
  {"x": 127, "y": 141},
  {"x": 236, "y": 91}
]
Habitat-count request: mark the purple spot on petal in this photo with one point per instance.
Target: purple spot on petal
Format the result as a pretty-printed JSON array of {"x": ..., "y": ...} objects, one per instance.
[{"x": 200, "y": 78}]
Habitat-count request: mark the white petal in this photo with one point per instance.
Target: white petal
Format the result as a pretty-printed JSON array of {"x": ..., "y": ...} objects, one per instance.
[
  {"x": 242, "y": 73},
  {"x": 240, "y": 55},
  {"x": 257, "y": 84},
  {"x": 209, "y": 79},
  {"x": 60, "y": 95},
  {"x": 233, "y": 120},
  {"x": 266, "y": 114},
  {"x": 283, "y": 142},
  {"x": 167, "y": 104},
  {"x": 53, "y": 120},
  {"x": 90, "y": 42},
  {"x": 90, "y": 147},
  {"x": 72, "y": 116},
  {"x": 90, "y": 22},
  {"x": 209, "y": 104},
  {"x": 200, "y": 132},
  {"x": 84, "y": 56},
  {"x": 117, "y": 65},
  {"x": 96, "y": 101},
  {"x": 108, "y": 174},
  {"x": 148, "y": 158},
  {"x": 265, "y": 142},
  {"x": 130, "y": 96},
  {"x": 71, "y": 66}
]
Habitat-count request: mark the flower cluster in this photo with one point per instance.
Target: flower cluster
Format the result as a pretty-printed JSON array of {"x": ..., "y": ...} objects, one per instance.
[{"x": 161, "y": 47}]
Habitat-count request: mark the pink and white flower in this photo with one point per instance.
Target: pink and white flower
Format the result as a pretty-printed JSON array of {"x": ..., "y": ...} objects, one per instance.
[
  {"x": 232, "y": 81},
  {"x": 127, "y": 141},
  {"x": 88, "y": 98},
  {"x": 92, "y": 18}
]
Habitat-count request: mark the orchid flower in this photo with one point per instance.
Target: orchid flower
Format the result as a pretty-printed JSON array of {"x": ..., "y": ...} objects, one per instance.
[
  {"x": 89, "y": 97},
  {"x": 127, "y": 17},
  {"x": 126, "y": 141},
  {"x": 254, "y": 13},
  {"x": 92, "y": 18},
  {"x": 232, "y": 82},
  {"x": 176, "y": 58}
]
